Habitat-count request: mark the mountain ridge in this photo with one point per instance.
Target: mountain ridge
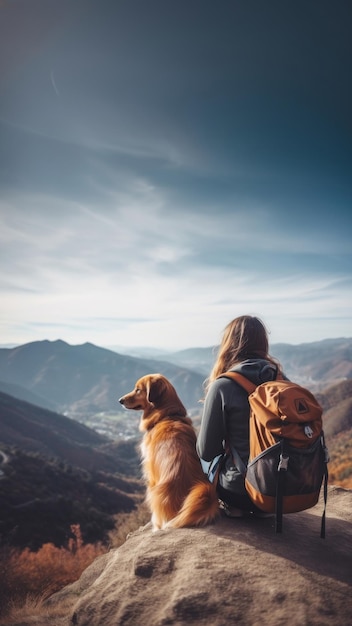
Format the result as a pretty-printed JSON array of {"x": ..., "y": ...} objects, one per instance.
[
  {"x": 65, "y": 375},
  {"x": 87, "y": 379}
]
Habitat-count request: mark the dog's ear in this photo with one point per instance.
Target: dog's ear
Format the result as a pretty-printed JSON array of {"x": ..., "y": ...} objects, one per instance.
[{"x": 156, "y": 386}]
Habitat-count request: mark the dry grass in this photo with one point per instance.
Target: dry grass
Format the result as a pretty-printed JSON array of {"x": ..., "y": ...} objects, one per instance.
[
  {"x": 32, "y": 610},
  {"x": 127, "y": 523},
  {"x": 29, "y": 578}
]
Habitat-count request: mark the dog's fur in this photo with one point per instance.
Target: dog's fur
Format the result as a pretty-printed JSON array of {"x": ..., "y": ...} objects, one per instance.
[{"x": 179, "y": 494}]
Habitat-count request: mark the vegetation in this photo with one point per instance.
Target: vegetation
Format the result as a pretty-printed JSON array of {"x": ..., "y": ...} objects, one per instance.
[
  {"x": 55, "y": 519},
  {"x": 340, "y": 466},
  {"x": 30, "y": 577},
  {"x": 39, "y": 574},
  {"x": 40, "y": 500}
]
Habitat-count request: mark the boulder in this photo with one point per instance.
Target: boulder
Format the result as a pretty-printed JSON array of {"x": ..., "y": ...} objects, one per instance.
[{"x": 236, "y": 571}]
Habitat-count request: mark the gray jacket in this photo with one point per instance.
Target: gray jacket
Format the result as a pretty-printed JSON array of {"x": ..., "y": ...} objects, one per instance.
[{"x": 226, "y": 418}]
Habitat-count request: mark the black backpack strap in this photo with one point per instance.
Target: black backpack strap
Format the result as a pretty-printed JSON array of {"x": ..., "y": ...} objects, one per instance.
[
  {"x": 326, "y": 479},
  {"x": 280, "y": 487},
  {"x": 323, "y": 517},
  {"x": 238, "y": 461}
]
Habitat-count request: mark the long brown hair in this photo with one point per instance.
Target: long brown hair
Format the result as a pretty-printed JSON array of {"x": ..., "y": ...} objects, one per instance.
[{"x": 243, "y": 338}]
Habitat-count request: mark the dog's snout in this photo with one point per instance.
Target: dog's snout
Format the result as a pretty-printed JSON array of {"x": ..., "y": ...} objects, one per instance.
[{"x": 122, "y": 400}]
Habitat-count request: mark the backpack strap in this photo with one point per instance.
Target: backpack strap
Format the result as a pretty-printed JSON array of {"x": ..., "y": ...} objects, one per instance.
[
  {"x": 323, "y": 517},
  {"x": 249, "y": 387},
  {"x": 241, "y": 380},
  {"x": 280, "y": 486},
  {"x": 238, "y": 461},
  {"x": 326, "y": 479}
]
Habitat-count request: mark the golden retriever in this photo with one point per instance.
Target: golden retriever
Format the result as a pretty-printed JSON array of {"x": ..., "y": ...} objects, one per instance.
[{"x": 179, "y": 493}]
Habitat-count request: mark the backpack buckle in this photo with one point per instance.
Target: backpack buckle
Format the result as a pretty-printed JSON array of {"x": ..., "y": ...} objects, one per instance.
[
  {"x": 283, "y": 463},
  {"x": 308, "y": 431}
]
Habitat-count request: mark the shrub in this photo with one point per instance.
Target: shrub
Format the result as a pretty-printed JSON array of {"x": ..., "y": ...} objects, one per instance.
[{"x": 39, "y": 574}]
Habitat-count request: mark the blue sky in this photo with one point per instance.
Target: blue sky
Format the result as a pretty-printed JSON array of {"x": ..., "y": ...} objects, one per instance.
[{"x": 166, "y": 166}]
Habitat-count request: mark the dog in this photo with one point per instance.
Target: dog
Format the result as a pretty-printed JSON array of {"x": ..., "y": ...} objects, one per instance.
[{"x": 179, "y": 493}]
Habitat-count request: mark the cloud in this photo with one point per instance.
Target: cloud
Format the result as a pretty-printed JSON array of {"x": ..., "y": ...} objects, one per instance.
[
  {"x": 137, "y": 274},
  {"x": 155, "y": 181}
]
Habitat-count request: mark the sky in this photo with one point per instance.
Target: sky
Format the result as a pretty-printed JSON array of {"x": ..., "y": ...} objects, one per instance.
[{"x": 166, "y": 166}]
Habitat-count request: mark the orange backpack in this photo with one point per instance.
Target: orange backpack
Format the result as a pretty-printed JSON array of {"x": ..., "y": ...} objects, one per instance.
[{"x": 287, "y": 457}]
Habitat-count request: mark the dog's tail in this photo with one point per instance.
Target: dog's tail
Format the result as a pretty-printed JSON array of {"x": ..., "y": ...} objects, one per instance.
[{"x": 200, "y": 507}]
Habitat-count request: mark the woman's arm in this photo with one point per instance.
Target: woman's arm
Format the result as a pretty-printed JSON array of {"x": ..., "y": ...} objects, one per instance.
[{"x": 212, "y": 430}]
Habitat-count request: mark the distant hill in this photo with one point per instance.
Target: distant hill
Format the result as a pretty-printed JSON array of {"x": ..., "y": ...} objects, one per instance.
[
  {"x": 337, "y": 421},
  {"x": 316, "y": 364},
  {"x": 86, "y": 378},
  {"x": 337, "y": 404},
  {"x": 197, "y": 359}
]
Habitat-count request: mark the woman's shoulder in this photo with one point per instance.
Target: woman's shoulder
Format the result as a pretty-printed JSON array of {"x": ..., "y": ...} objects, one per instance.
[
  {"x": 220, "y": 384},
  {"x": 257, "y": 370}
]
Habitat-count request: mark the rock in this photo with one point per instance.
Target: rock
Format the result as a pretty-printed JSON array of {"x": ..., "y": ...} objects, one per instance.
[{"x": 236, "y": 571}]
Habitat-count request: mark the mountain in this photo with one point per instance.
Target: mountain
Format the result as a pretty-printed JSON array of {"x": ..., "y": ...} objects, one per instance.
[
  {"x": 86, "y": 379},
  {"x": 317, "y": 364}
]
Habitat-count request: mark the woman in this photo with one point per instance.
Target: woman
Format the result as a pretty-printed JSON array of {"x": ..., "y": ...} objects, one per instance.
[{"x": 225, "y": 420}]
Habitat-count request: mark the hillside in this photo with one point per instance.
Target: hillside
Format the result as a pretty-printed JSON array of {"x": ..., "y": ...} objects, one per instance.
[
  {"x": 337, "y": 404},
  {"x": 34, "y": 429},
  {"x": 25, "y": 394},
  {"x": 40, "y": 499},
  {"x": 55, "y": 472},
  {"x": 317, "y": 364},
  {"x": 20, "y": 419}
]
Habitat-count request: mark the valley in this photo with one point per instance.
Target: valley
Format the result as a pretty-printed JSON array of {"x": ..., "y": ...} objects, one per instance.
[
  {"x": 115, "y": 425},
  {"x": 69, "y": 451}
]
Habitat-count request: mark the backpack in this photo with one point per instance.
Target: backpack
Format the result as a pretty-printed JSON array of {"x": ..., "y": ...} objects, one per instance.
[{"x": 287, "y": 453}]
